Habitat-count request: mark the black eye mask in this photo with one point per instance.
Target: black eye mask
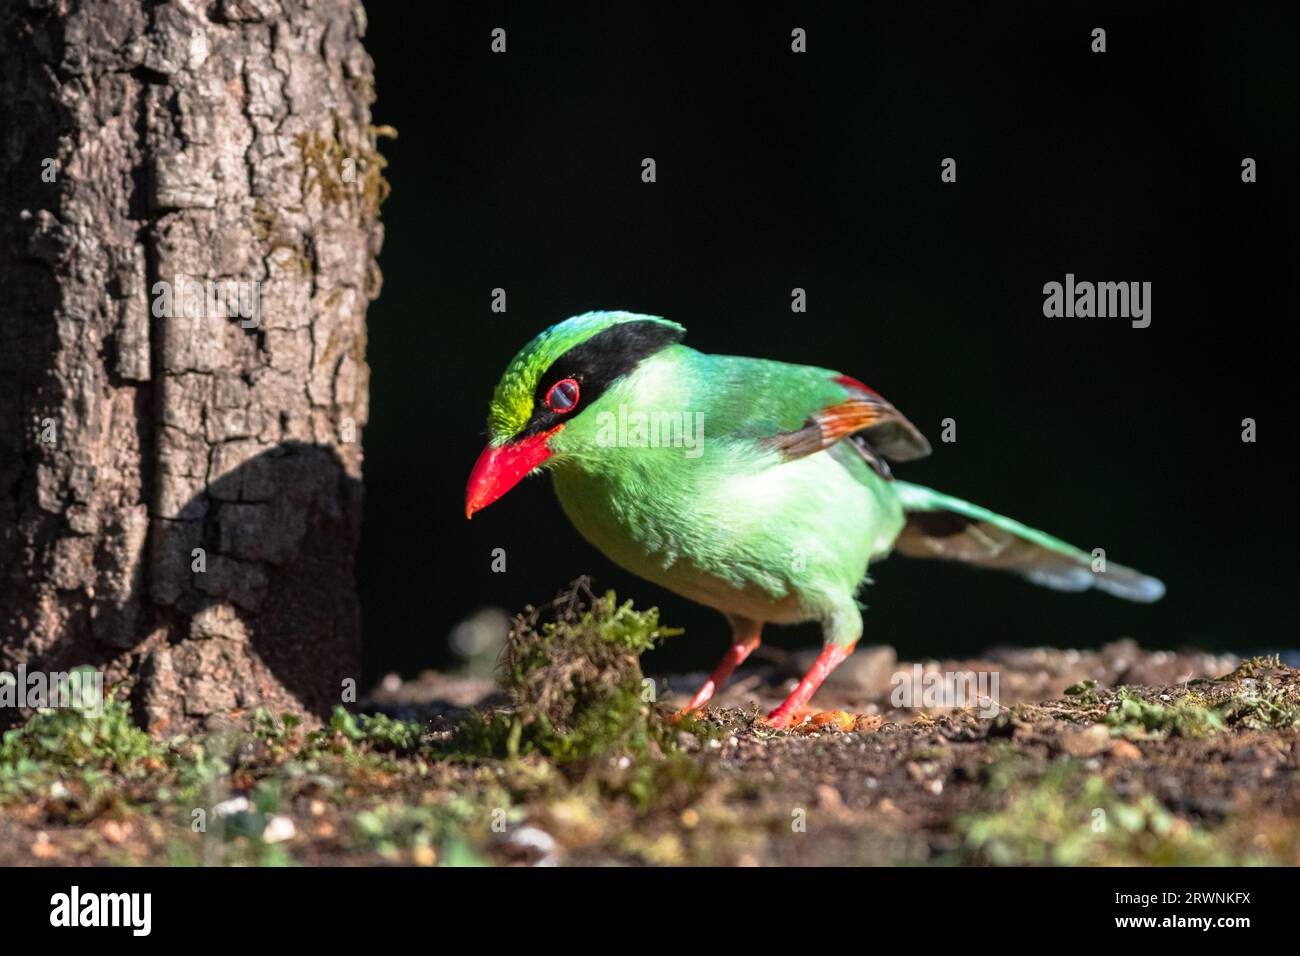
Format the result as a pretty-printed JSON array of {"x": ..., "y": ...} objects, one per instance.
[{"x": 595, "y": 365}]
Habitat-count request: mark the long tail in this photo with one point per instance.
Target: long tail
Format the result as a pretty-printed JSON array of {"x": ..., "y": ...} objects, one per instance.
[{"x": 940, "y": 526}]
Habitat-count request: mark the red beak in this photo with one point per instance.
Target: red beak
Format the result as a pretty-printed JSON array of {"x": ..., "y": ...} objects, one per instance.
[{"x": 500, "y": 468}]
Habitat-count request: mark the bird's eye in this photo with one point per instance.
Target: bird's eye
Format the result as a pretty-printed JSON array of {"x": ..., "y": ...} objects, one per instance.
[{"x": 562, "y": 396}]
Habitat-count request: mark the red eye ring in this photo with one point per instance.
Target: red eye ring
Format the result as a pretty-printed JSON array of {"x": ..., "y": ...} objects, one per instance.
[{"x": 562, "y": 397}]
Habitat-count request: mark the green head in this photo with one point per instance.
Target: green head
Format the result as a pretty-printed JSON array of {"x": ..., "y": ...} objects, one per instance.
[{"x": 551, "y": 382}]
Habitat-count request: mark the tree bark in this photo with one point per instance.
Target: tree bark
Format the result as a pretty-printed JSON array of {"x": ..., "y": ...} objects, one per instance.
[{"x": 179, "y": 486}]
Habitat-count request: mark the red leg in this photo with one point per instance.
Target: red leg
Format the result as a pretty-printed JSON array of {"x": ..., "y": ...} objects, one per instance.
[
  {"x": 832, "y": 656},
  {"x": 746, "y": 635}
]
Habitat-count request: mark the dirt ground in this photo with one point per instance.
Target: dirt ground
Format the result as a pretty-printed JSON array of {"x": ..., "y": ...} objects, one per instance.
[
  {"x": 882, "y": 785},
  {"x": 1117, "y": 756}
]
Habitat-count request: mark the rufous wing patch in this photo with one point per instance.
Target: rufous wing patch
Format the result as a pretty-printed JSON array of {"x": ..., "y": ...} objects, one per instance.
[{"x": 874, "y": 422}]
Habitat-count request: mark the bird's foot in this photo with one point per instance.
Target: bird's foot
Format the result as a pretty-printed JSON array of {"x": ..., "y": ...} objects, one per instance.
[
  {"x": 783, "y": 721},
  {"x": 830, "y": 658}
]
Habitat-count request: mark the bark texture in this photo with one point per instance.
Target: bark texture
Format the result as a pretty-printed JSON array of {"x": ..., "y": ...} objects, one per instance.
[{"x": 180, "y": 487}]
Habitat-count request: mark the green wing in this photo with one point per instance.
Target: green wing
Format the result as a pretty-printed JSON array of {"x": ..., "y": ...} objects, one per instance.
[{"x": 802, "y": 409}]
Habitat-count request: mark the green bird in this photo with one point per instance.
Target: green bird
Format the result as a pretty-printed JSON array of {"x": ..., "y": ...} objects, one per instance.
[{"x": 755, "y": 487}]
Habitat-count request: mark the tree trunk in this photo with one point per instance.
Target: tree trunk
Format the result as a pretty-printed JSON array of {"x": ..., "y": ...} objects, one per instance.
[{"x": 188, "y": 233}]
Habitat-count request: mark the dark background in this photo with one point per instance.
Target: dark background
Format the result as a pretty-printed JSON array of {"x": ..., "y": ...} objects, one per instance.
[{"x": 821, "y": 170}]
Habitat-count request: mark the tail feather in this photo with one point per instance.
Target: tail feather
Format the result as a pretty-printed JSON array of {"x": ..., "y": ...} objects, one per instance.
[{"x": 940, "y": 526}]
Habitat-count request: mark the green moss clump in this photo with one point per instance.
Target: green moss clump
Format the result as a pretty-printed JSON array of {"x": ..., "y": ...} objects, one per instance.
[
  {"x": 1084, "y": 693},
  {"x": 580, "y": 700},
  {"x": 573, "y": 671},
  {"x": 583, "y": 651},
  {"x": 1132, "y": 716},
  {"x": 1068, "y": 819}
]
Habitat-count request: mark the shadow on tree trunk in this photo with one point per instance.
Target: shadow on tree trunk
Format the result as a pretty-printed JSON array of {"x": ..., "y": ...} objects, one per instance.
[
  {"x": 246, "y": 601},
  {"x": 256, "y": 564}
]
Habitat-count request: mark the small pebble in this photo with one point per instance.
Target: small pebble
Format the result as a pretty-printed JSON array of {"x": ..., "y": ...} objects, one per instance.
[
  {"x": 228, "y": 808},
  {"x": 278, "y": 829},
  {"x": 534, "y": 841}
]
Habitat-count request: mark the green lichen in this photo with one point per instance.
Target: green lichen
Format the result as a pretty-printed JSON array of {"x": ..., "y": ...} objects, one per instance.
[
  {"x": 1253, "y": 667},
  {"x": 1249, "y": 703},
  {"x": 1262, "y": 705}
]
